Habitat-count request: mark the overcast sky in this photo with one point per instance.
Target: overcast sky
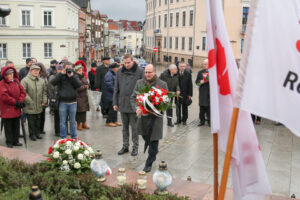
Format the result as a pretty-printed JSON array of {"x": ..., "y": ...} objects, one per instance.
[{"x": 121, "y": 9}]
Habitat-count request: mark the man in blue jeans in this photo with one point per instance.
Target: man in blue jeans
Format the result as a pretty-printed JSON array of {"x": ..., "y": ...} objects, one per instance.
[{"x": 67, "y": 84}]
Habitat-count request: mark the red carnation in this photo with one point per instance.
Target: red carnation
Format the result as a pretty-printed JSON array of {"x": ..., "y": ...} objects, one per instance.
[
  {"x": 160, "y": 99},
  {"x": 158, "y": 95},
  {"x": 158, "y": 86},
  {"x": 50, "y": 150}
]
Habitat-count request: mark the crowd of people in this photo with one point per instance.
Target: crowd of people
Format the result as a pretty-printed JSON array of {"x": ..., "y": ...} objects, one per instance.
[{"x": 64, "y": 89}]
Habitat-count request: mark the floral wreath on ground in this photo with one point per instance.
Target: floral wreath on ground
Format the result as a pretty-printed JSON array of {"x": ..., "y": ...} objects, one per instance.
[{"x": 71, "y": 155}]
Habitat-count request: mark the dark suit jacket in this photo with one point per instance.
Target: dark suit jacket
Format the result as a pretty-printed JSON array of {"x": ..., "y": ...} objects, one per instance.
[{"x": 185, "y": 84}]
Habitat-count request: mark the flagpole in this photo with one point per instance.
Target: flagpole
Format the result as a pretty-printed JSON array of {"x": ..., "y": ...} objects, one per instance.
[
  {"x": 229, "y": 149},
  {"x": 216, "y": 176}
]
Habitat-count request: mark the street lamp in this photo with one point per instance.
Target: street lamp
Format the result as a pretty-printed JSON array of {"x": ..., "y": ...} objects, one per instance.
[{"x": 4, "y": 12}]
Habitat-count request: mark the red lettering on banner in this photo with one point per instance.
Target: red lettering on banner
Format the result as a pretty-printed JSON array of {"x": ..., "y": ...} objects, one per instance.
[{"x": 298, "y": 45}]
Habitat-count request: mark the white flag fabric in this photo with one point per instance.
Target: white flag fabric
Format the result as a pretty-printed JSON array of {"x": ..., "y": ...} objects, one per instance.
[
  {"x": 249, "y": 175},
  {"x": 270, "y": 67}
]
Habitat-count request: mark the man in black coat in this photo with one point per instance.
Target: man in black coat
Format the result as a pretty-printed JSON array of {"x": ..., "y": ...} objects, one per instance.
[
  {"x": 24, "y": 71},
  {"x": 92, "y": 76},
  {"x": 99, "y": 84},
  {"x": 204, "y": 99},
  {"x": 170, "y": 76},
  {"x": 52, "y": 68},
  {"x": 186, "y": 93}
]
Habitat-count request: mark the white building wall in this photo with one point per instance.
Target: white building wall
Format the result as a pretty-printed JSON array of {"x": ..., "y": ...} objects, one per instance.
[{"x": 63, "y": 34}]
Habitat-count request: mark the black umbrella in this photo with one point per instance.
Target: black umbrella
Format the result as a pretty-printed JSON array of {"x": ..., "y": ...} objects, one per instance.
[{"x": 23, "y": 129}]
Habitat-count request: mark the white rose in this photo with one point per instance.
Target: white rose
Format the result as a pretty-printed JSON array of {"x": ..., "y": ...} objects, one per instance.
[
  {"x": 68, "y": 151},
  {"x": 86, "y": 152},
  {"x": 56, "y": 154},
  {"x": 76, "y": 148},
  {"x": 77, "y": 144},
  {"x": 80, "y": 156},
  {"x": 55, "y": 146},
  {"x": 77, "y": 165},
  {"x": 91, "y": 151},
  {"x": 65, "y": 162}
]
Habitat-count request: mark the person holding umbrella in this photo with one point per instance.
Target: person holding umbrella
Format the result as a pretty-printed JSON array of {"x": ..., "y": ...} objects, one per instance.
[{"x": 12, "y": 96}]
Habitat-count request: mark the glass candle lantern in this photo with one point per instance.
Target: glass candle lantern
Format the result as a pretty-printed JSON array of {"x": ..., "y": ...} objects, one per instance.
[
  {"x": 35, "y": 193},
  {"x": 99, "y": 167},
  {"x": 162, "y": 179},
  {"x": 142, "y": 180},
  {"x": 121, "y": 176}
]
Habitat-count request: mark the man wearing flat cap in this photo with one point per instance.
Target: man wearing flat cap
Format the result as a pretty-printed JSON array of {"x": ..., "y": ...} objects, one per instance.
[{"x": 99, "y": 84}]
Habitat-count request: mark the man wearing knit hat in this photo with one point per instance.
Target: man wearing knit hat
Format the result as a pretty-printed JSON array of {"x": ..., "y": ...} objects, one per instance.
[
  {"x": 52, "y": 69},
  {"x": 36, "y": 99}
]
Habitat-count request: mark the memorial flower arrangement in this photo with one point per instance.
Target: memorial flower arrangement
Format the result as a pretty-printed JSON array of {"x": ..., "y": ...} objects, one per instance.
[
  {"x": 206, "y": 76},
  {"x": 71, "y": 155},
  {"x": 154, "y": 100}
]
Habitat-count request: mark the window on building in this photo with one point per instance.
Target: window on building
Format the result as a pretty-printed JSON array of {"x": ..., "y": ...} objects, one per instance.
[
  {"x": 166, "y": 20},
  {"x": 171, "y": 1},
  {"x": 170, "y": 42},
  {"x": 3, "y": 21},
  {"x": 48, "y": 50},
  {"x": 242, "y": 45},
  {"x": 3, "y": 50},
  {"x": 183, "y": 43},
  {"x": 154, "y": 4},
  {"x": 166, "y": 2},
  {"x": 191, "y": 17},
  {"x": 129, "y": 36},
  {"x": 159, "y": 21},
  {"x": 171, "y": 19},
  {"x": 165, "y": 42},
  {"x": 26, "y": 50},
  {"x": 159, "y": 2},
  {"x": 203, "y": 43},
  {"x": 48, "y": 17},
  {"x": 177, "y": 1},
  {"x": 177, "y": 19},
  {"x": 176, "y": 42},
  {"x": 26, "y": 18},
  {"x": 190, "y": 43},
  {"x": 245, "y": 15},
  {"x": 183, "y": 18},
  {"x": 182, "y": 59}
]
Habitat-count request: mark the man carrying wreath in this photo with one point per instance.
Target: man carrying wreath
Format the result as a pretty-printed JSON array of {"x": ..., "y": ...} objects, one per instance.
[{"x": 150, "y": 125}]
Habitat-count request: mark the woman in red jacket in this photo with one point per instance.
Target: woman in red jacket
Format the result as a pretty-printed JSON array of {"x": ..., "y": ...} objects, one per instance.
[{"x": 12, "y": 96}]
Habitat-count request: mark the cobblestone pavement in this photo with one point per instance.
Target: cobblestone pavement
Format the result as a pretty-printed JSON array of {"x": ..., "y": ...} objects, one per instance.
[{"x": 188, "y": 150}]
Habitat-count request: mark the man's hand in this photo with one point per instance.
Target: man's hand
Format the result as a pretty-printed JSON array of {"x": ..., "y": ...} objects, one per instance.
[
  {"x": 202, "y": 81},
  {"x": 70, "y": 74},
  {"x": 44, "y": 104},
  {"x": 189, "y": 97},
  {"x": 63, "y": 71},
  {"x": 116, "y": 108},
  {"x": 139, "y": 112},
  {"x": 178, "y": 93}
]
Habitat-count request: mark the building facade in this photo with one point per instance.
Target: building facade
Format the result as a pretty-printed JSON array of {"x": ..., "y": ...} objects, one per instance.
[
  {"x": 97, "y": 26},
  {"x": 178, "y": 29},
  {"x": 41, "y": 29},
  {"x": 82, "y": 33}
]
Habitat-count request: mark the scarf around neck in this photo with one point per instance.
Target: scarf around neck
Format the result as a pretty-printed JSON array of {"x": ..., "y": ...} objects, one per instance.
[{"x": 150, "y": 82}]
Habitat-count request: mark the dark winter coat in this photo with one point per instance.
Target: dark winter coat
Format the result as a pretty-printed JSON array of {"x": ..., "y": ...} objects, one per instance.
[
  {"x": 23, "y": 72},
  {"x": 51, "y": 70},
  {"x": 92, "y": 77},
  {"x": 124, "y": 86},
  {"x": 53, "y": 93},
  {"x": 185, "y": 84},
  {"x": 204, "y": 98},
  {"x": 10, "y": 93},
  {"x": 100, "y": 73},
  {"x": 67, "y": 87},
  {"x": 109, "y": 83},
  {"x": 143, "y": 121},
  {"x": 171, "y": 80},
  {"x": 82, "y": 98},
  {"x": 36, "y": 94}
]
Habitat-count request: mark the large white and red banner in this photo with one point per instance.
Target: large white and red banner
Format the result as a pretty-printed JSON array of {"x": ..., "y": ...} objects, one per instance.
[
  {"x": 270, "y": 66},
  {"x": 248, "y": 170}
]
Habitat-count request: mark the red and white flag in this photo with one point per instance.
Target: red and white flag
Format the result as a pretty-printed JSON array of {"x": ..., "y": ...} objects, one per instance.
[
  {"x": 269, "y": 82},
  {"x": 248, "y": 170}
]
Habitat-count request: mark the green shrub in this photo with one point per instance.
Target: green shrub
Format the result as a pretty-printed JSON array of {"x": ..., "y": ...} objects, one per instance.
[{"x": 16, "y": 178}]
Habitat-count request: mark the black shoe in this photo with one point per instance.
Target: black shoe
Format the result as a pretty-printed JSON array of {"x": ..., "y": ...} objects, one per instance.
[
  {"x": 38, "y": 137},
  {"x": 278, "y": 124},
  {"x": 147, "y": 169},
  {"x": 171, "y": 124},
  {"x": 201, "y": 124},
  {"x": 184, "y": 123},
  {"x": 178, "y": 122},
  {"x": 18, "y": 144},
  {"x": 134, "y": 152},
  {"x": 33, "y": 138},
  {"x": 123, "y": 150},
  {"x": 43, "y": 132},
  {"x": 9, "y": 145}
]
